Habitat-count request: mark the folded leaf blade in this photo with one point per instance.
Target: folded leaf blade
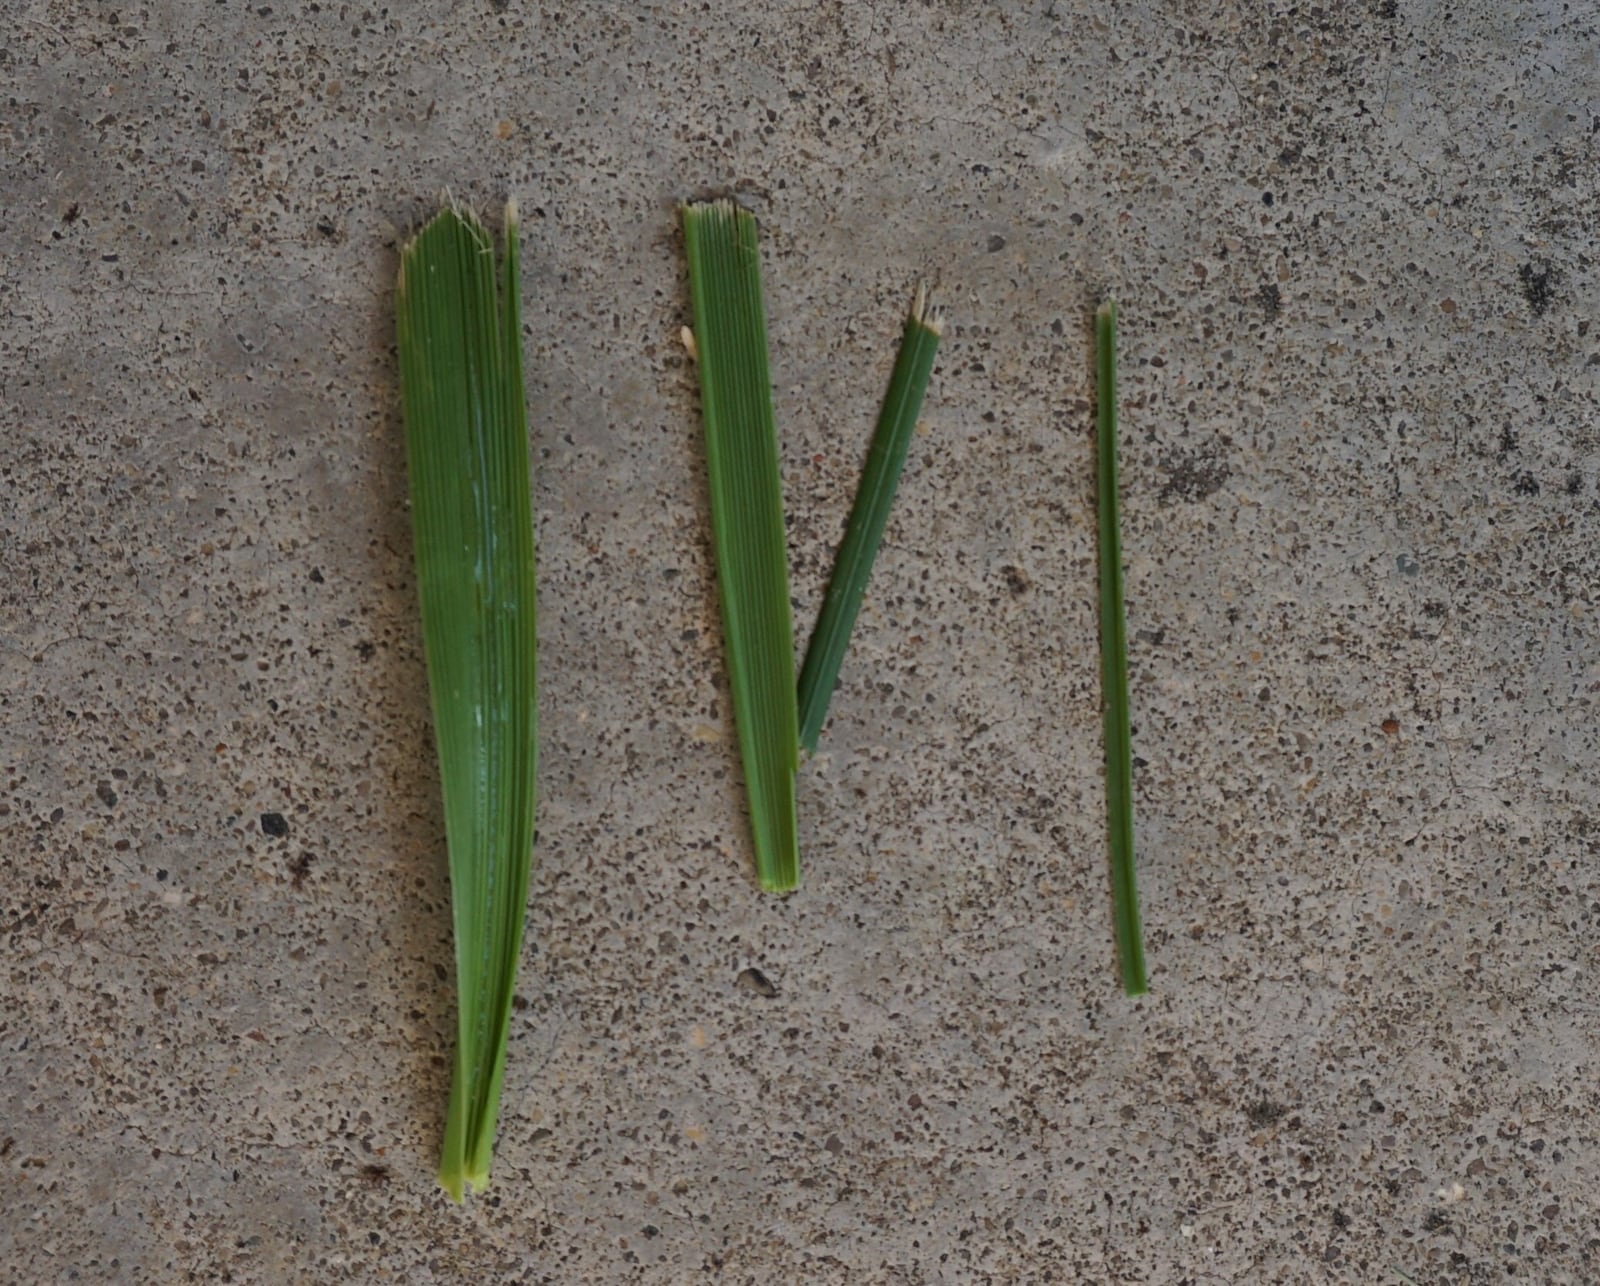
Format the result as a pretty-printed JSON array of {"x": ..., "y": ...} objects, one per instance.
[
  {"x": 747, "y": 522},
  {"x": 869, "y": 515},
  {"x": 460, "y": 349}
]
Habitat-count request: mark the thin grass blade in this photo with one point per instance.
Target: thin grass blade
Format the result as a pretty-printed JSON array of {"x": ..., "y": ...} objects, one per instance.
[
  {"x": 852, "y": 566},
  {"x": 459, "y": 330},
  {"x": 730, "y": 334},
  {"x": 1114, "y": 668}
]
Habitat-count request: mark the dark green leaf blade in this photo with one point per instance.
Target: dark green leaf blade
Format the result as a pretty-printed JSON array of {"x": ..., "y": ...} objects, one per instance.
[
  {"x": 741, "y": 435},
  {"x": 1114, "y": 668},
  {"x": 467, "y": 453},
  {"x": 868, "y": 516}
]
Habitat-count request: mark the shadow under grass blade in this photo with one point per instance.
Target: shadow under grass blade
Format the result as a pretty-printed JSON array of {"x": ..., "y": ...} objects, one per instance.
[
  {"x": 1114, "y": 668},
  {"x": 730, "y": 340},
  {"x": 868, "y": 516},
  {"x": 460, "y": 341}
]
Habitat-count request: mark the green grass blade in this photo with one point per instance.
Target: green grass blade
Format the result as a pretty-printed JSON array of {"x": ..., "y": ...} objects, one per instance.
[
  {"x": 853, "y": 564},
  {"x": 1114, "y": 669},
  {"x": 459, "y": 330},
  {"x": 730, "y": 334}
]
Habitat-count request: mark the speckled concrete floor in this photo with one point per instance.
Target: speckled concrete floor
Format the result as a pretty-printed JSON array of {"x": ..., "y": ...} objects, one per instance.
[{"x": 1354, "y": 244}]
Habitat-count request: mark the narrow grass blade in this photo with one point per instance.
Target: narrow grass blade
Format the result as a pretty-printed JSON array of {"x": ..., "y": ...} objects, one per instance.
[
  {"x": 460, "y": 338},
  {"x": 730, "y": 334},
  {"x": 1114, "y": 668},
  {"x": 869, "y": 514}
]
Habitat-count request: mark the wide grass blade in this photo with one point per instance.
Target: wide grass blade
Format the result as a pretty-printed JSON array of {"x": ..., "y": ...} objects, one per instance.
[
  {"x": 853, "y": 564},
  {"x": 460, "y": 344},
  {"x": 730, "y": 334},
  {"x": 1114, "y": 668}
]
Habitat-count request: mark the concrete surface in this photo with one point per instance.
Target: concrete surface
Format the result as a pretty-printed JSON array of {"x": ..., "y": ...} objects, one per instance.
[{"x": 1354, "y": 245}]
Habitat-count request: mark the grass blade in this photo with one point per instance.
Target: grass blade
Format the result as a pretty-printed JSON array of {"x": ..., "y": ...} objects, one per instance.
[
  {"x": 730, "y": 333},
  {"x": 460, "y": 340},
  {"x": 1114, "y": 668},
  {"x": 853, "y": 564}
]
